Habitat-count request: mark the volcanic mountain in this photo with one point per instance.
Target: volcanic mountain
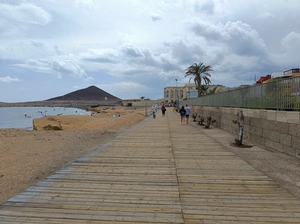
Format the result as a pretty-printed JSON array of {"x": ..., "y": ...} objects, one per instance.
[{"x": 91, "y": 93}]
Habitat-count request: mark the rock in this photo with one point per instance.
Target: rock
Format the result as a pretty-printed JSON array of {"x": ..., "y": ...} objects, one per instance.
[{"x": 52, "y": 127}]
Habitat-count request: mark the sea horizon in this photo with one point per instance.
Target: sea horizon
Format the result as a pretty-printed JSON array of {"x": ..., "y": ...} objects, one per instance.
[{"x": 22, "y": 117}]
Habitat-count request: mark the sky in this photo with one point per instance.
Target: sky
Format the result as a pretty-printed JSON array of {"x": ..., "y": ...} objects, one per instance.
[{"x": 134, "y": 48}]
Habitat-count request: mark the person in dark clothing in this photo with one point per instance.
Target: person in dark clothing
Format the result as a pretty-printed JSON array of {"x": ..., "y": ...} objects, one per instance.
[
  {"x": 182, "y": 114},
  {"x": 163, "y": 109}
]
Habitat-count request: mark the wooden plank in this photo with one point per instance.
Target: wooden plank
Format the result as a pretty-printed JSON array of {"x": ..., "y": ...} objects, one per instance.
[{"x": 155, "y": 174}]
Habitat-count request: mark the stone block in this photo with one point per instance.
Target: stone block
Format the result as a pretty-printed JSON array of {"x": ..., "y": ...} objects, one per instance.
[
  {"x": 263, "y": 114},
  {"x": 298, "y": 153},
  {"x": 247, "y": 121},
  {"x": 257, "y": 138},
  {"x": 271, "y": 135},
  {"x": 296, "y": 142},
  {"x": 271, "y": 115},
  {"x": 248, "y": 113},
  {"x": 251, "y": 129},
  {"x": 281, "y": 116},
  {"x": 255, "y": 130},
  {"x": 257, "y": 122},
  {"x": 293, "y": 117},
  {"x": 256, "y": 114},
  {"x": 289, "y": 150},
  {"x": 286, "y": 139},
  {"x": 281, "y": 127},
  {"x": 274, "y": 145},
  {"x": 258, "y": 131},
  {"x": 268, "y": 125},
  {"x": 294, "y": 129}
]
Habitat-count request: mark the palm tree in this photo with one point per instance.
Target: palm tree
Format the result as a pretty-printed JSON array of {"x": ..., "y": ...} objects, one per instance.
[
  {"x": 213, "y": 90},
  {"x": 199, "y": 72}
]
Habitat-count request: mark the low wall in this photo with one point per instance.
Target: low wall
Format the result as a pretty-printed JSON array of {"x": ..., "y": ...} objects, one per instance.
[
  {"x": 277, "y": 130},
  {"x": 143, "y": 103}
]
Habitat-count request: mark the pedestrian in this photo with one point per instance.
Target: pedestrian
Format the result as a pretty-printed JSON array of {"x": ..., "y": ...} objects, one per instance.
[
  {"x": 154, "y": 111},
  {"x": 163, "y": 109},
  {"x": 187, "y": 114},
  {"x": 182, "y": 114}
]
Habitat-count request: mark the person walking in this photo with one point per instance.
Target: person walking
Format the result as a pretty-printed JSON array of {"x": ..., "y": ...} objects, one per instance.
[
  {"x": 163, "y": 109},
  {"x": 187, "y": 114},
  {"x": 154, "y": 111},
  {"x": 182, "y": 114}
]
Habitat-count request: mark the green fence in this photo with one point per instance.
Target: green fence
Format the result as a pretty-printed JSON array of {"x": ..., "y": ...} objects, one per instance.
[{"x": 277, "y": 94}]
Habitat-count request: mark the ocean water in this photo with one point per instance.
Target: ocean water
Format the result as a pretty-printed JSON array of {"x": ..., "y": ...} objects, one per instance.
[{"x": 22, "y": 117}]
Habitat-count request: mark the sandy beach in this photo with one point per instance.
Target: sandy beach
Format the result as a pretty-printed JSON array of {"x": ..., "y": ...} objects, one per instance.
[{"x": 27, "y": 157}]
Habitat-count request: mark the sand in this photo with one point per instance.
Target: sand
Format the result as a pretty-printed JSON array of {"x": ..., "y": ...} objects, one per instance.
[{"x": 27, "y": 157}]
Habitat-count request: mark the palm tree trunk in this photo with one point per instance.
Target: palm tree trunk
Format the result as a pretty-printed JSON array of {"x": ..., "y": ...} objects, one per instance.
[{"x": 199, "y": 91}]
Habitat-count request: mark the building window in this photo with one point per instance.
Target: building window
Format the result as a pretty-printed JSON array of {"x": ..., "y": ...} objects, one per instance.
[{"x": 294, "y": 70}]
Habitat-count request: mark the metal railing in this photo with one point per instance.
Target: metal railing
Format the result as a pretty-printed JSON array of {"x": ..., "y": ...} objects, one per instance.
[{"x": 277, "y": 94}]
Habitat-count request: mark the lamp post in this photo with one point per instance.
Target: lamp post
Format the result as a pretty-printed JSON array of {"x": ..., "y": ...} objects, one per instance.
[{"x": 176, "y": 90}]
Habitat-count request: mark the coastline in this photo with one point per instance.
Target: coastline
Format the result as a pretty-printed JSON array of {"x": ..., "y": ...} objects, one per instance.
[
  {"x": 81, "y": 104},
  {"x": 26, "y": 157}
]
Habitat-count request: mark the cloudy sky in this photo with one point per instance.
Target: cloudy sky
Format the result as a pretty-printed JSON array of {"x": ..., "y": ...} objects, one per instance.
[{"x": 133, "y": 48}]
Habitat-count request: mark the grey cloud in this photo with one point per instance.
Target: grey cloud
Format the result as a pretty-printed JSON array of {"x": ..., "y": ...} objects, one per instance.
[
  {"x": 56, "y": 48},
  {"x": 238, "y": 37},
  {"x": 208, "y": 7},
  {"x": 132, "y": 51},
  {"x": 99, "y": 59},
  {"x": 156, "y": 18},
  {"x": 185, "y": 51},
  {"x": 99, "y": 56},
  {"x": 134, "y": 55},
  {"x": 168, "y": 66},
  {"x": 209, "y": 31},
  {"x": 244, "y": 40},
  {"x": 37, "y": 44},
  {"x": 139, "y": 62}
]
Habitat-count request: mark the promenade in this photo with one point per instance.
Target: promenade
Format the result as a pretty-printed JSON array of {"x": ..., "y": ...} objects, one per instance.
[{"x": 159, "y": 171}]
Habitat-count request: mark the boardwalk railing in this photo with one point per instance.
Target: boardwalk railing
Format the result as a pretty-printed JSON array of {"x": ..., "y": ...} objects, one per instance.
[{"x": 277, "y": 94}]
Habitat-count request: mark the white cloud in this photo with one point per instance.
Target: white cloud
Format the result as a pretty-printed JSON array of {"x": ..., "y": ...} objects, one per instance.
[
  {"x": 86, "y": 4},
  {"x": 291, "y": 42},
  {"x": 59, "y": 66},
  {"x": 238, "y": 37},
  {"x": 67, "y": 68},
  {"x": 145, "y": 43},
  {"x": 291, "y": 47},
  {"x": 8, "y": 79},
  {"x": 127, "y": 89},
  {"x": 25, "y": 13},
  {"x": 267, "y": 15}
]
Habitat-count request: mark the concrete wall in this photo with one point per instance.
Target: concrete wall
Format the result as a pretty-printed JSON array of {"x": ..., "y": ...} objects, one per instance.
[
  {"x": 143, "y": 103},
  {"x": 277, "y": 130}
]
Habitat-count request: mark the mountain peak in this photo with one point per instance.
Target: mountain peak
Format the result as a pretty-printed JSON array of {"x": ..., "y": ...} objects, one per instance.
[{"x": 90, "y": 93}]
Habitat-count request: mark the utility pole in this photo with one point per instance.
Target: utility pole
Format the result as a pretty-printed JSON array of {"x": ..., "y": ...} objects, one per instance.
[{"x": 176, "y": 91}]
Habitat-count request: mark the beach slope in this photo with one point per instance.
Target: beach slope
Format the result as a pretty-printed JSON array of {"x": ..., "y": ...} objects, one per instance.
[{"x": 26, "y": 157}]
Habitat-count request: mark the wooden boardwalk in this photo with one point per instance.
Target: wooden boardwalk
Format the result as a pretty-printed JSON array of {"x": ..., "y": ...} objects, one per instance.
[{"x": 157, "y": 172}]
